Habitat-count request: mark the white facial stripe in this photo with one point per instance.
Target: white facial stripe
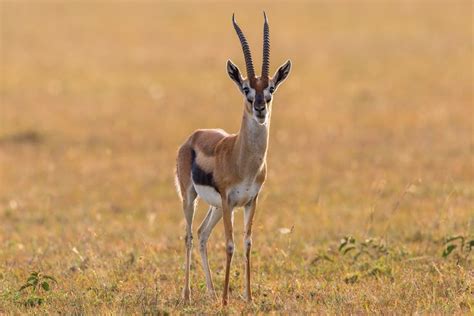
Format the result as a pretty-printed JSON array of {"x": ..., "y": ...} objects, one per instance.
[
  {"x": 266, "y": 94},
  {"x": 251, "y": 94}
]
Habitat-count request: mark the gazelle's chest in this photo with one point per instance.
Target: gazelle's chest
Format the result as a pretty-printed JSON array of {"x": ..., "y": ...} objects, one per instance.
[{"x": 243, "y": 192}]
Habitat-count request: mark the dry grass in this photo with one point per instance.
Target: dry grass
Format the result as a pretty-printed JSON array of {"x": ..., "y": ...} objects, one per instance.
[{"x": 371, "y": 137}]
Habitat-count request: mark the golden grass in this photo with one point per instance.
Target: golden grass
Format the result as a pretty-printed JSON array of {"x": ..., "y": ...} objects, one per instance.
[{"x": 371, "y": 137}]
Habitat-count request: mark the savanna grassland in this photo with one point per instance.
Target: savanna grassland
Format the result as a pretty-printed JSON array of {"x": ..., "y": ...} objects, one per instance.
[{"x": 371, "y": 139}]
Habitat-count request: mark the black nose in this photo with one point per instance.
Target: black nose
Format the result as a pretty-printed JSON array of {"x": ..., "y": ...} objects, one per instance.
[
  {"x": 259, "y": 107},
  {"x": 259, "y": 104}
]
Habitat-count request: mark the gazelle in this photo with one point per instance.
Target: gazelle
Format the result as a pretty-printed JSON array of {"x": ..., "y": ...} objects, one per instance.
[{"x": 228, "y": 171}]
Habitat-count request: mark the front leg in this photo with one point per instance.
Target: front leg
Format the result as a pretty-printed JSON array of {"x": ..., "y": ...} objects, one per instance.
[
  {"x": 229, "y": 241},
  {"x": 249, "y": 213}
]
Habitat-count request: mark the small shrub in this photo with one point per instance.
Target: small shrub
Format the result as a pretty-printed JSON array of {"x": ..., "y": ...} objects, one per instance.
[
  {"x": 370, "y": 258},
  {"x": 371, "y": 247},
  {"x": 457, "y": 246},
  {"x": 38, "y": 284}
]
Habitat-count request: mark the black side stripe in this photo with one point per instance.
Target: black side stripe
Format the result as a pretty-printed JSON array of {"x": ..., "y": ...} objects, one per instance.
[{"x": 200, "y": 176}]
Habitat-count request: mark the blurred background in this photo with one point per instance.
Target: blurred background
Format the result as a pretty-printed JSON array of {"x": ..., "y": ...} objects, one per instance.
[{"x": 371, "y": 136}]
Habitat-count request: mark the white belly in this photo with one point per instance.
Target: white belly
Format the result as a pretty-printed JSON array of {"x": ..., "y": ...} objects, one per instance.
[
  {"x": 208, "y": 194},
  {"x": 239, "y": 195}
]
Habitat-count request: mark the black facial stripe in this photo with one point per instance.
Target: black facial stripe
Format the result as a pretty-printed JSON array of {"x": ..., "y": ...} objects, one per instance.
[
  {"x": 200, "y": 176},
  {"x": 259, "y": 104},
  {"x": 259, "y": 99}
]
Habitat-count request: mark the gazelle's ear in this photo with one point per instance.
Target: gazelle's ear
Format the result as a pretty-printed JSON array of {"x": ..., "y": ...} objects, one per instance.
[
  {"x": 281, "y": 74},
  {"x": 234, "y": 73}
]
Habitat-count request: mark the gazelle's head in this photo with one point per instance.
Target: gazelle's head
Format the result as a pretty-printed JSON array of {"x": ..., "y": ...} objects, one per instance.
[{"x": 257, "y": 91}]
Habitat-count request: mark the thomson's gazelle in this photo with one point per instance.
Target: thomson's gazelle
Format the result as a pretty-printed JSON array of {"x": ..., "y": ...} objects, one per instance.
[{"x": 228, "y": 171}]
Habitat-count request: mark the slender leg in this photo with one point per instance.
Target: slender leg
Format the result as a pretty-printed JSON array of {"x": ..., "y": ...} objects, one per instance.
[
  {"x": 229, "y": 237},
  {"x": 188, "y": 208},
  {"x": 212, "y": 218},
  {"x": 249, "y": 213}
]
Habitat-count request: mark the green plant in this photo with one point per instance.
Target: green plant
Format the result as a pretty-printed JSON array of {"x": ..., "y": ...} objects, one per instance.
[
  {"x": 458, "y": 246},
  {"x": 38, "y": 283},
  {"x": 371, "y": 247},
  {"x": 369, "y": 258}
]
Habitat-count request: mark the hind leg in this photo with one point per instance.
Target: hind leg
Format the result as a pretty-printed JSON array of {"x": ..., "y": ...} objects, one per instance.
[
  {"x": 212, "y": 218},
  {"x": 188, "y": 196},
  {"x": 188, "y": 209}
]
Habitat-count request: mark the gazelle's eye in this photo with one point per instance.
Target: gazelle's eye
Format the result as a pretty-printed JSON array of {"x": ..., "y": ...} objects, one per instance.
[
  {"x": 272, "y": 89},
  {"x": 246, "y": 90}
]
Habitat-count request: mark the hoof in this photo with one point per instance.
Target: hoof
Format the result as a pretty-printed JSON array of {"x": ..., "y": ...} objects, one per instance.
[
  {"x": 211, "y": 294},
  {"x": 248, "y": 296},
  {"x": 186, "y": 296}
]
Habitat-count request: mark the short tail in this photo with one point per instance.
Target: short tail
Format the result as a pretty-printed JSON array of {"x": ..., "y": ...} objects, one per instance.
[{"x": 183, "y": 169}]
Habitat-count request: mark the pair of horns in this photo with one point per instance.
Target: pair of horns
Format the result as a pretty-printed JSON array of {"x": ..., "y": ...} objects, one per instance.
[{"x": 246, "y": 49}]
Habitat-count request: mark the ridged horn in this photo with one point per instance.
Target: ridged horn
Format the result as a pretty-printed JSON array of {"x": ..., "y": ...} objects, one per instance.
[
  {"x": 245, "y": 49},
  {"x": 266, "y": 48}
]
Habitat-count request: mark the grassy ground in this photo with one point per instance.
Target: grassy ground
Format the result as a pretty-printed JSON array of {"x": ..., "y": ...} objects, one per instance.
[{"x": 371, "y": 138}]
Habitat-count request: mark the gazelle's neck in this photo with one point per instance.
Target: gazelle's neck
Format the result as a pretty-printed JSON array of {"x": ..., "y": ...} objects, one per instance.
[{"x": 252, "y": 143}]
